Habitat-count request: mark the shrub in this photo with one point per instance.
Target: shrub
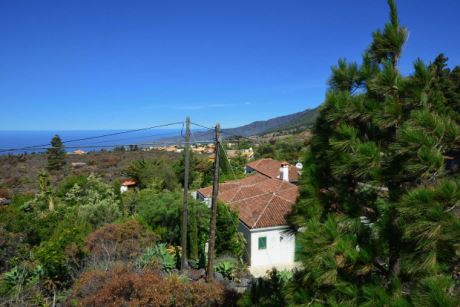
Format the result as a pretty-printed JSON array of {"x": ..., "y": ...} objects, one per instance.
[
  {"x": 226, "y": 268},
  {"x": 12, "y": 247},
  {"x": 120, "y": 286},
  {"x": 97, "y": 202},
  {"x": 61, "y": 256},
  {"x": 162, "y": 212},
  {"x": 153, "y": 171},
  {"x": 266, "y": 291},
  {"x": 228, "y": 239},
  {"x": 119, "y": 241},
  {"x": 69, "y": 182},
  {"x": 4, "y": 193},
  {"x": 157, "y": 256}
]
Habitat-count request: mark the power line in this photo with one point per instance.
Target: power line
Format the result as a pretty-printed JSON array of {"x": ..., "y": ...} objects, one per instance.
[
  {"x": 224, "y": 132},
  {"x": 93, "y": 137},
  {"x": 199, "y": 125},
  {"x": 159, "y": 143},
  {"x": 138, "y": 137}
]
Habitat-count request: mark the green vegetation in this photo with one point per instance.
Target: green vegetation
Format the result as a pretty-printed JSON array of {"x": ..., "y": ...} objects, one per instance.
[
  {"x": 82, "y": 226},
  {"x": 377, "y": 220},
  {"x": 379, "y": 208},
  {"x": 56, "y": 154},
  {"x": 289, "y": 150}
]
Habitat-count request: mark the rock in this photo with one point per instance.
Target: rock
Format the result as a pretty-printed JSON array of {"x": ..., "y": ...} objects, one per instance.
[
  {"x": 195, "y": 274},
  {"x": 218, "y": 277},
  {"x": 245, "y": 282}
]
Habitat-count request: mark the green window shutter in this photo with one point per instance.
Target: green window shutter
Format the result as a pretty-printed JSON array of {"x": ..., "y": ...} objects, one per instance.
[{"x": 263, "y": 243}]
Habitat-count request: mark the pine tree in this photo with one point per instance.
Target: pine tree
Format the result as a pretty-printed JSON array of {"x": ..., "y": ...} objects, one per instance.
[
  {"x": 56, "y": 154},
  {"x": 378, "y": 215}
]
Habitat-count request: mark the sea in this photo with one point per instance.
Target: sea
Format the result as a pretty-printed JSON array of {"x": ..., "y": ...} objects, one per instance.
[{"x": 19, "y": 142}]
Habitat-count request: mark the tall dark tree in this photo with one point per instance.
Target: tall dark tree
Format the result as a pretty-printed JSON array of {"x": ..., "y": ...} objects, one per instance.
[
  {"x": 378, "y": 215},
  {"x": 56, "y": 154}
]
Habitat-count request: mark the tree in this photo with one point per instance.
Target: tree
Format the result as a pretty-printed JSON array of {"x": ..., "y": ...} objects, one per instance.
[
  {"x": 379, "y": 207},
  {"x": 228, "y": 239},
  {"x": 45, "y": 190},
  {"x": 162, "y": 212},
  {"x": 152, "y": 172},
  {"x": 56, "y": 154}
]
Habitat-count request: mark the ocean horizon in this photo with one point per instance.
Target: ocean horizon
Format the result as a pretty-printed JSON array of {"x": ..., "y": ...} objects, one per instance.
[{"x": 20, "y": 141}]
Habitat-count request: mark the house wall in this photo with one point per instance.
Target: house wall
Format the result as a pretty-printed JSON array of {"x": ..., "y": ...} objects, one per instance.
[
  {"x": 280, "y": 249},
  {"x": 200, "y": 197},
  {"x": 247, "y": 237}
]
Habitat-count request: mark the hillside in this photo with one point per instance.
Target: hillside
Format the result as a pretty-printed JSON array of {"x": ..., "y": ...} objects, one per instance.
[
  {"x": 300, "y": 121},
  {"x": 297, "y": 120}
]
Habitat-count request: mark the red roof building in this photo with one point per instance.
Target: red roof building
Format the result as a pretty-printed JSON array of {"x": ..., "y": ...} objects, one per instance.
[
  {"x": 129, "y": 182},
  {"x": 260, "y": 201},
  {"x": 271, "y": 168}
]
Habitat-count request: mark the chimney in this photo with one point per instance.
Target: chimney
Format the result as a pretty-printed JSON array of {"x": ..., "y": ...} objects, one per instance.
[{"x": 284, "y": 171}]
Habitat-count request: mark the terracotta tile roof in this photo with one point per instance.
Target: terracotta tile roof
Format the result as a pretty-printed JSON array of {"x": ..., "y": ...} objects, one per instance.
[
  {"x": 260, "y": 201},
  {"x": 271, "y": 168},
  {"x": 129, "y": 182}
]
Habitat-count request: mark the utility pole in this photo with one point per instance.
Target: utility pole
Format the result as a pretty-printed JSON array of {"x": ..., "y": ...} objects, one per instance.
[
  {"x": 215, "y": 192},
  {"x": 183, "y": 264}
]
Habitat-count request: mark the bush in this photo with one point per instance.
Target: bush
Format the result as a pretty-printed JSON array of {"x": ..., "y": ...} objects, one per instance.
[
  {"x": 4, "y": 193},
  {"x": 119, "y": 241},
  {"x": 157, "y": 257},
  {"x": 122, "y": 287},
  {"x": 13, "y": 247},
  {"x": 61, "y": 256},
  {"x": 154, "y": 171},
  {"x": 97, "y": 202},
  {"x": 162, "y": 212},
  {"x": 266, "y": 291},
  {"x": 226, "y": 268},
  {"x": 69, "y": 182},
  {"x": 228, "y": 239}
]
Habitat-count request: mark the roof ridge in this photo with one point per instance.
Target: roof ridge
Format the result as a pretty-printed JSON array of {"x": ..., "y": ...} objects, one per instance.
[
  {"x": 234, "y": 195},
  {"x": 244, "y": 199},
  {"x": 285, "y": 199},
  {"x": 263, "y": 211}
]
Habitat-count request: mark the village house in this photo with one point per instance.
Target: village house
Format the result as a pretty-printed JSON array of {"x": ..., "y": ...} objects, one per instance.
[
  {"x": 127, "y": 184},
  {"x": 274, "y": 169},
  {"x": 262, "y": 203}
]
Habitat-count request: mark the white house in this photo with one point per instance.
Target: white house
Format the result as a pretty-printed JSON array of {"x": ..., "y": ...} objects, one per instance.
[
  {"x": 127, "y": 184},
  {"x": 262, "y": 204}
]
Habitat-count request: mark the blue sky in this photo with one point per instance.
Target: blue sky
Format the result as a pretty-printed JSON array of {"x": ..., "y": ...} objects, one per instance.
[{"x": 130, "y": 64}]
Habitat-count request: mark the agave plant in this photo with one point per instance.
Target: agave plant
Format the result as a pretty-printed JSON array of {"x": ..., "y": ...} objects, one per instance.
[
  {"x": 226, "y": 268},
  {"x": 157, "y": 255}
]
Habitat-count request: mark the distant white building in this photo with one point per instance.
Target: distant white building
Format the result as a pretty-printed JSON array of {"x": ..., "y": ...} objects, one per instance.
[
  {"x": 262, "y": 203},
  {"x": 127, "y": 184}
]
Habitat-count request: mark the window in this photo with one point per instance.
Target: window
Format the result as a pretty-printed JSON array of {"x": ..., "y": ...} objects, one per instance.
[{"x": 262, "y": 242}]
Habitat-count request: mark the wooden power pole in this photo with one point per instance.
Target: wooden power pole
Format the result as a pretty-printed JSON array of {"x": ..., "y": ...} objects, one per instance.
[
  {"x": 183, "y": 264},
  {"x": 215, "y": 192}
]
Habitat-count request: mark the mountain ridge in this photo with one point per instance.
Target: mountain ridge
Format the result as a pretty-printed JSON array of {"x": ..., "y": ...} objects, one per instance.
[{"x": 300, "y": 120}]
